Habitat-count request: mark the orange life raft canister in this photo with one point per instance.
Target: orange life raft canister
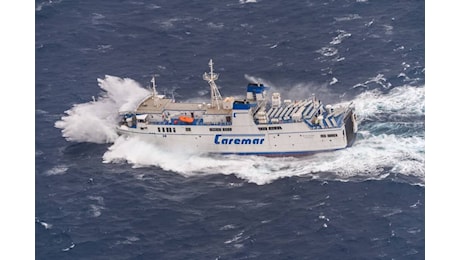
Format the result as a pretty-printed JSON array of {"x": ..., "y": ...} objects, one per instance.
[{"x": 186, "y": 119}]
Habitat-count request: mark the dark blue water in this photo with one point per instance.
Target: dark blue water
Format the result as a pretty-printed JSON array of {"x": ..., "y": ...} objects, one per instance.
[{"x": 98, "y": 196}]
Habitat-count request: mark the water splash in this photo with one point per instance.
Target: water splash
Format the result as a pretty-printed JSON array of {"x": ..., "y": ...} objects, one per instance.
[{"x": 96, "y": 120}]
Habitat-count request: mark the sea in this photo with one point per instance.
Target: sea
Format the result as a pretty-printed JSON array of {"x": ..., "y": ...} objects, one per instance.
[{"x": 101, "y": 196}]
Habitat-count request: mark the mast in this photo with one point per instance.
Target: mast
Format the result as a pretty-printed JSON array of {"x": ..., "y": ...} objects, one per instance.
[
  {"x": 153, "y": 87},
  {"x": 216, "y": 98}
]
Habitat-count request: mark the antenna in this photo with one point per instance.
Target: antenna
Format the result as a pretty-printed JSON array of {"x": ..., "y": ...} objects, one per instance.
[{"x": 210, "y": 77}]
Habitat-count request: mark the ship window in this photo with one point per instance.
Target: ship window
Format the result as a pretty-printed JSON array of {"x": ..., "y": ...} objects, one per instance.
[
  {"x": 214, "y": 129},
  {"x": 188, "y": 129},
  {"x": 274, "y": 128},
  {"x": 262, "y": 128},
  {"x": 227, "y": 129},
  {"x": 332, "y": 135},
  {"x": 323, "y": 136}
]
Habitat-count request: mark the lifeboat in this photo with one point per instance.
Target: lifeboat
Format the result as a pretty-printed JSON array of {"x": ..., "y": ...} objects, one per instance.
[{"x": 186, "y": 119}]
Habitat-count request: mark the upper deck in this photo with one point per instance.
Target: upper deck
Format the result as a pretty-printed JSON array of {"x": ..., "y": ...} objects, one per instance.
[
  {"x": 153, "y": 105},
  {"x": 256, "y": 107}
]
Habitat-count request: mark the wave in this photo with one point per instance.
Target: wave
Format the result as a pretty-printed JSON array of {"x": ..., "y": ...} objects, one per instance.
[
  {"x": 400, "y": 102},
  {"x": 375, "y": 154},
  {"x": 348, "y": 17},
  {"x": 340, "y": 37},
  {"x": 39, "y": 6},
  {"x": 248, "y": 1},
  {"x": 377, "y": 80},
  {"x": 57, "y": 170}
]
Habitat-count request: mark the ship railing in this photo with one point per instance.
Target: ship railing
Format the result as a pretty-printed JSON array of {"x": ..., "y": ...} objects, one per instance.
[
  {"x": 126, "y": 112},
  {"x": 196, "y": 122}
]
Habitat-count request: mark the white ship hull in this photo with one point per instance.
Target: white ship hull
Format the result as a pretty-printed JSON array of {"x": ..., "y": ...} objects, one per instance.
[{"x": 240, "y": 141}]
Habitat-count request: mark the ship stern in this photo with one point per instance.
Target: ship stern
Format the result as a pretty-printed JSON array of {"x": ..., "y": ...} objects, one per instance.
[{"x": 351, "y": 127}]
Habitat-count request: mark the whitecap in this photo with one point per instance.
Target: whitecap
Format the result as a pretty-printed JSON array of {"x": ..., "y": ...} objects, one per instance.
[
  {"x": 95, "y": 210},
  {"x": 248, "y": 1},
  {"x": 416, "y": 204},
  {"x": 228, "y": 227},
  {"x": 46, "y": 225},
  {"x": 370, "y": 23},
  {"x": 379, "y": 79},
  {"x": 104, "y": 47},
  {"x": 388, "y": 29},
  {"x": 328, "y": 51},
  {"x": 406, "y": 101},
  {"x": 43, "y": 4},
  {"x": 333, "y": 81},
  {"x": 347, "y": 17},
  {"x": 128, "y": 241},
  {"x": 215, "y": 26},
  {"x": 340, "y": 37},
  {"x": 323, "y": 217},
  {"x": 57, "y": 170},
  {"x": 68, "y": 248},
  {"x": 97, "y": 18},
  {"x": 153, "y": 6},
  {"x": 235, "y": 238}
]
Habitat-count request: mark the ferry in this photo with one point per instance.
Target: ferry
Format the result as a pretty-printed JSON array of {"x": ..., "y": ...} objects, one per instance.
[{"x": 254, "y": 125}]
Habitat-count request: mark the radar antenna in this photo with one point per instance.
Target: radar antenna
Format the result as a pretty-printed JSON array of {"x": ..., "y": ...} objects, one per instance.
[{"x": 216, "y": 98}]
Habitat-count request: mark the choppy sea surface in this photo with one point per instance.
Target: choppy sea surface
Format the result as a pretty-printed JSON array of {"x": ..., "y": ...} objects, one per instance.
[{"x": 100, "y": 196}]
